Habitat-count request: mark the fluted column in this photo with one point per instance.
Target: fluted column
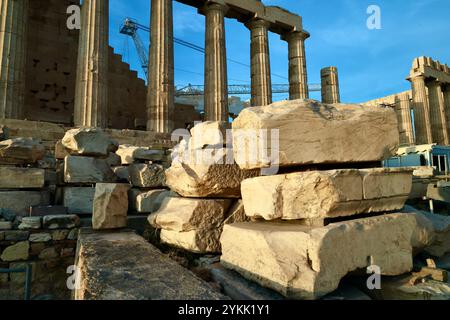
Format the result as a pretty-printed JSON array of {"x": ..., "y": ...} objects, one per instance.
[
  {"x": 446, "y": 93},
  {"x": 330, "y": 85},
  {"x": 13, "y": 39},
  {"x": 421, "y": 111},
  {"x": 260, "y": 62},
  {"x": 437, "y": 113},
  {"x": 405, "y": 119},
  {"x": 161, "y": 88},
  {"x": 216, "y": 79},
  {"x": 298, "y": 77},
  {"x": 91, "y": 93}
]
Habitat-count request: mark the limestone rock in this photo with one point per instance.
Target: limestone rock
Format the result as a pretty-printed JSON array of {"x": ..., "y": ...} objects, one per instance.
[
  {"x": 323, "y": 194},
  {"x": 87, "y": 170},
  {"x": 61, "y": 221},
  {"x": 21, "y": 151},
  {"x": 147, "y": 175},
  {"x": 110, "y": 206},
  {"x": 89, "y": 142},
  {"x": 130, "y": 154},
  {"x": 79, "y": 200},
  {"x": 209, "y": 133},
  {"x": 183, "y": 215},
  {"x": 19, "y": 202},
  {"x": 48, "y": 253},
  {"x": 441, "y": 226},
  {"x": 30, "y": 223},
  {"x": 197, "y": 241},
  {"x": 58, "y": 235},
  {"x": 21, "y": 178},
  {"x": 16, "y": 252},
  {"x": 6, "y": 225},
  {"x": 15, "y": 235},
  {"x": 314, "y": 133},
  {"x": 149, "y": 202},
  {"x": 40, "y": 237},
  {"x": 211, "y": 175},
  {"x": 308, "y": 262}
]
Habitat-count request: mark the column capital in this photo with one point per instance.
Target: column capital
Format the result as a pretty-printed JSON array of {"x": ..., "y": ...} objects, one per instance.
[
  {"x": 296, "y": 35},
  {"x": 257, "y": 23},
  {"x": 214, "y": 5}
]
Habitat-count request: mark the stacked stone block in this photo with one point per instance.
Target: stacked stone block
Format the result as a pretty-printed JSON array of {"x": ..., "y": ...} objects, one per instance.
[{"x": 206, "y": 182}]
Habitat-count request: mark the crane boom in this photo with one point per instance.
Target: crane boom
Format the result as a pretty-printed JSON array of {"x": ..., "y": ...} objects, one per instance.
[{"x": 130, "y": 28}]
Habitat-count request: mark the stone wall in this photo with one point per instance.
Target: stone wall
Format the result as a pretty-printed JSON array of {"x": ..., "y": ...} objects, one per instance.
[{"x": 51, "y": 73}]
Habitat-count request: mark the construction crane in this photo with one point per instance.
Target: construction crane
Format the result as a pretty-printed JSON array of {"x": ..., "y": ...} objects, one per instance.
[{"x": 130, "y": 28}]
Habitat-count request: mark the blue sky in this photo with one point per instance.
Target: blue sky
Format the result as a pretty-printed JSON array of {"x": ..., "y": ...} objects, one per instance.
[{"x": 372, "y": 63}]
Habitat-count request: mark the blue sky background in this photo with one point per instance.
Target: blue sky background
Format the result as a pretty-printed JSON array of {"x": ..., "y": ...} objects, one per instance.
[{"x": 372, "y": 63}]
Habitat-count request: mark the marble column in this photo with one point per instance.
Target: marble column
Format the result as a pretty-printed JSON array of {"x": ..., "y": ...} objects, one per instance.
[
  {"x": 403, "y": 105},
  {"x": 161, "y": 88},
  {"x": 91, "y": 92},
  {"x": 446, "y": 93},
  {"x": 13, "y": 40},
  {"x": 421, "y": 109},
  {"x": 437, "y": 113},
  {"x": 298, "y": 77},
  {"x": 216, "y": 79},
  {"x": 330, "y": 85},
  {"x": 260, "y": 62}
]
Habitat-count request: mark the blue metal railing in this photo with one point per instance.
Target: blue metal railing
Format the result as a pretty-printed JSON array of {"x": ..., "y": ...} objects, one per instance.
[{"x": 28, "y": 274}]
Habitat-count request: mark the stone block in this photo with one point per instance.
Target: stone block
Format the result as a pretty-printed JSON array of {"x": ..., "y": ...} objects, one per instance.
[
  {"x": 326, "y": 194},
  {"x": 49, "y": 253},
  {"x": 110, "y": 206},
  {"x": 209, "y": 134},
  {"x": 40, "y": 237},
  {"x": 150, "y": 201},
  {"x": 21, "y": 151},
  {"x": 196, "y": 241},
  {"x": 21, "y": 178},
  {"x": 79, "y": 200},
  {"x": 30, "y": 223},
  {"x": 89, "y": 142},
  {"x": 314, "y": 133},
  {"x": 40, "y": 211},
  {"x": 113, "y": 160},
  {"x": 147, "y": 175},
  {"x": 122, "y": 173},
  {"x": 15, "y": 235},
  {"x": 237, "y": 213},
  {"x": 131, "y": 154},
  {"x": 208, "y": 174},
  {"x": 308, "y": 262},
  {"x": 19, "y": 202},
  {"x": 6, "y": 225},
  {"x": 61, "y": 221},
  {"x": 59, "y": 235},
  {"x": 87, "y": 170},
  {"x": 16, "y": 252}
]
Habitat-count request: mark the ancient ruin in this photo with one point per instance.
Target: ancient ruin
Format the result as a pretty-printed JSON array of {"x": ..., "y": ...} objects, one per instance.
[{"x": 109, "y": 182}]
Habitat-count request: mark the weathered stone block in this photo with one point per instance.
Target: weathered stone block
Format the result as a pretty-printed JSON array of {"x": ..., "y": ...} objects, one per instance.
[
  {"x": 308, "y": 262},
  {"x": 21, "y": 151},
  {"x": 61, "y": 221},
  {"x": 15, "y": 236},
  {"x": 87, "y": 170},
  {"x": 208, "y": 174},
  {"x": 157, "y": 277},
  {"x": 208, "y": 134},
  {"x": 110, "y": 206},
  {"x": 324, "y": 194},
  {"x": 150, "y": 201},
  {"x": 40, "y": 237},
  {"x": 122, "y": 173},
  {"x": 147, "y": 175},
  {"x": 48, "y": 253},
  {"x": 89, "y": 142},
  {"x": 21, "y": 178},
  {"x": 16, "y": 252},
  {"x": 5, "y": 225},
  {"x": 58, "y": 235},
  {"x": 79, "y": 200},
  {"x": 130, "y": 154},
  {"x": 197, "y": 241},
  {"x": 30, "y": 223},
  {"x": 182, "y": 214},
  {"x": 19, "y": 202},
  {"x": 237, "y": 213},
  {"x": 314, "y": 133}
]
